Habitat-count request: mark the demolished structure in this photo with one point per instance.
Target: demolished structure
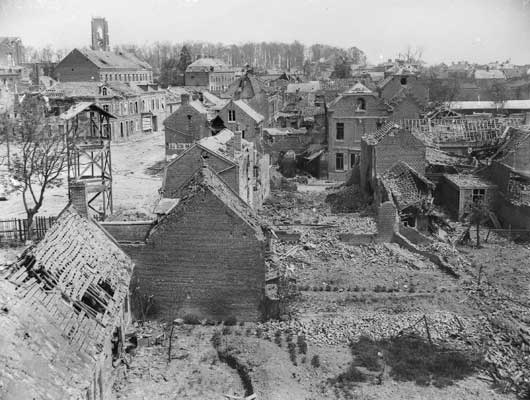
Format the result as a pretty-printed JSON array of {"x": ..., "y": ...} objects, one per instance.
[
  {"x": 66, "y": 308},
  {"x": 236, "y": 160}
]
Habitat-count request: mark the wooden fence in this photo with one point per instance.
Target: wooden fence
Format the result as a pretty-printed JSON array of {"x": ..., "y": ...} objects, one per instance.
[{"x": 15, "y": 231}]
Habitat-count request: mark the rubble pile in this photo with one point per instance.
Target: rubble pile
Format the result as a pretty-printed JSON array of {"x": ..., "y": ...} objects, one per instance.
[
  {"x": 342, "y": 329},
  {"x": 347, "y": 199}
]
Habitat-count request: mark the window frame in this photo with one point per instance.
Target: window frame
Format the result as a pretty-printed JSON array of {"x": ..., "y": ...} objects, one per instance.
[
  {"x": 339, "y": 156},
  {"x": 337, "y": 130}
]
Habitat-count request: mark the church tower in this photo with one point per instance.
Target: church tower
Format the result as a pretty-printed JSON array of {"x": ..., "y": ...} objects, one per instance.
[{"x": 100, "y": 34}]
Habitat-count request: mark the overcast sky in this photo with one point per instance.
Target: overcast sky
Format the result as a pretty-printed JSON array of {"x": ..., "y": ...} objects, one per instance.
[{"x": 446, "y": 30}]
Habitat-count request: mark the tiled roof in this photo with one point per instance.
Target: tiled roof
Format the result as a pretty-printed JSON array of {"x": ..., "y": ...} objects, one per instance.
[
  {"x": 468, "y": 181},
  {"x": 92, "y": 89},
  {"x": 256, "y": 116},
  {"x": 491, "y": 74},
  {"x": 376, "y": 137},
  {"x": 305, "y": 87},
  {"x": 109, "y": 59},
  {"x": 205, "y": 64},
  {"x": 359, "y": 88}
]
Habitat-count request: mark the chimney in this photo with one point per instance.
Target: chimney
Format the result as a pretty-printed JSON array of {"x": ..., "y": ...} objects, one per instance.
[
  {"x": 184, "y": 98},
  {"x": 78, "y": 197},
  {"x": 237, "y": 141}
]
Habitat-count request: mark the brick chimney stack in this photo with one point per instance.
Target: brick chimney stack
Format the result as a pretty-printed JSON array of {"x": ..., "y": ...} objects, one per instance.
[
  {"x": 184, "y": 99},
  {"x": 78, "y": 198}
]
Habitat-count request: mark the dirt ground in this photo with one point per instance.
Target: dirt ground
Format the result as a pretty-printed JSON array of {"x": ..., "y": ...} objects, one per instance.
[
  {"x": 134, "y": 188},
  {"x": 345, "y": 289}
]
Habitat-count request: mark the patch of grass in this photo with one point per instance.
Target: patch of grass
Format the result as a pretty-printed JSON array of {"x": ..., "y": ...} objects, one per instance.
[
  {"x": 278, "y": 338},
  {"x": 411, "y": 358},
  {"x": 292, "y": 352},
  {"x": 191, "y": 319},
  {"x": 365, "y": 351}
]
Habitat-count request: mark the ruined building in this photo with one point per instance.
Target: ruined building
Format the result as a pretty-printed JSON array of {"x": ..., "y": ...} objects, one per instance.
[
  {"x": 236, "y": 160},
  {"x": 205, "y": 255},
  {"x": 65, "y": 307},
  {"x": 386, "y": 146},
  {"x": 100, "y": 34}
]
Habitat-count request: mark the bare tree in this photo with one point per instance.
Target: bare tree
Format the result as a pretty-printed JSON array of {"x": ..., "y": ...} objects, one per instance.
[{"x": 39, "y": 158}]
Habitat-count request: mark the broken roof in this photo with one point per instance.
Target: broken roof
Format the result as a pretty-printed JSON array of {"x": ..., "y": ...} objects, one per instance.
[
  {"x": 79, "y": 276},
  {"x": 438, "y": 157},
  {"x": 514, "y": 137},
  {"x": 38, "y": 360},
  {"x": 407, "y": 186},
  {"x": 82, "y": 107}
]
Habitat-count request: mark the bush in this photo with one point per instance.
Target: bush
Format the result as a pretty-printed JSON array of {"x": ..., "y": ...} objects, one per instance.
[
  {"x": 335, "y": 289},
  {"x": 292, "y": 352},
  {"x": 302, "y": 344},
  {"x": 226, "y": 330},
  {"x": 356, "y": 289},
  {"x": 259, "y": 332},
  {"x": 248, "y": 332},
  {"x": 216, "y": 339},
  {"x": 231, "y": 321},
  {"x": 278, "y": 338},
  {"x": 191, "y": 319},
  {"x": 328, "y": 288},
  {"x": 315, "y": 361}
]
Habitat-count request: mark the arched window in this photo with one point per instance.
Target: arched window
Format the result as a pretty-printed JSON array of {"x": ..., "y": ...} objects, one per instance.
[
  {"x": 361, "y": 104},
  {"x": 104, "y": 91},
  {"x": 403, "y": 80}
]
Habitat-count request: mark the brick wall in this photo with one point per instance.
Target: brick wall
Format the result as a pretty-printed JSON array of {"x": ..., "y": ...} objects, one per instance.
[
  {"x": 180, "y": 171},
  {"x": 181, "y": 129},
  {"x": 196, "y": 78},
  {"x": 402, "y": 146},
  {"x": 202, "y": 259},
  {"x": 243, "y": 122},
  {"x": 387, "y": 222},
  {"x": 75, "y": 67}
]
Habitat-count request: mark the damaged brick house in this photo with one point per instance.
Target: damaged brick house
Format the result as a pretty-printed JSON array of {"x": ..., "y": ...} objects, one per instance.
[
  {"x": 66, "y": 308},
  {"x": 204, "y": 256},
  {"x": 238, "y": 115},
  {"x": 509, "y": 169},
  {"x": 265, "y": 100},
  {"x": 386, "y": 146},
  {"x": 189, "y": 123},
  {"x": 236, "y": 161},
  {"x": 410, "y": 191}
]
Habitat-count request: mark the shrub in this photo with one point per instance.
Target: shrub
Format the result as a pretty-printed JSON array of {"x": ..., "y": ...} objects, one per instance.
[
  {"x": 328, "y": 288},
  {"x": 356, "y": 289},
  {"x": 292, "y": 352},
  {"x": 248, "y": 332},
  {"x": 289, "y": 337},
  {"x": 302, "y": 344},
  {"x": 335, "y": 289},
  {"x": 259, "y": 332},
  {"x": 242, "y": 323},
  {"x": 315, "y": 361},
  {"x": 278, "y": 338},
  {"x": 216, "y": 339},
  {"x": 231, "y": 321},
  {"x": 191, "y": 319},
  {"x": 226, "y": 330}
]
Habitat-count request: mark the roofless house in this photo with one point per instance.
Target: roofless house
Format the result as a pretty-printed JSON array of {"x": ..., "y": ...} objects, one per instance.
[{"x": 88, "y": 138}]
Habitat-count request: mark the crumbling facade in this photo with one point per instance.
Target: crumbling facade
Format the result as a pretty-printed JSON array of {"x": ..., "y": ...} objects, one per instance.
[
  {"x": 382, "y": 149},
  {"x": 67, "y": 308},
  {"x": 235, "y": 160}
]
